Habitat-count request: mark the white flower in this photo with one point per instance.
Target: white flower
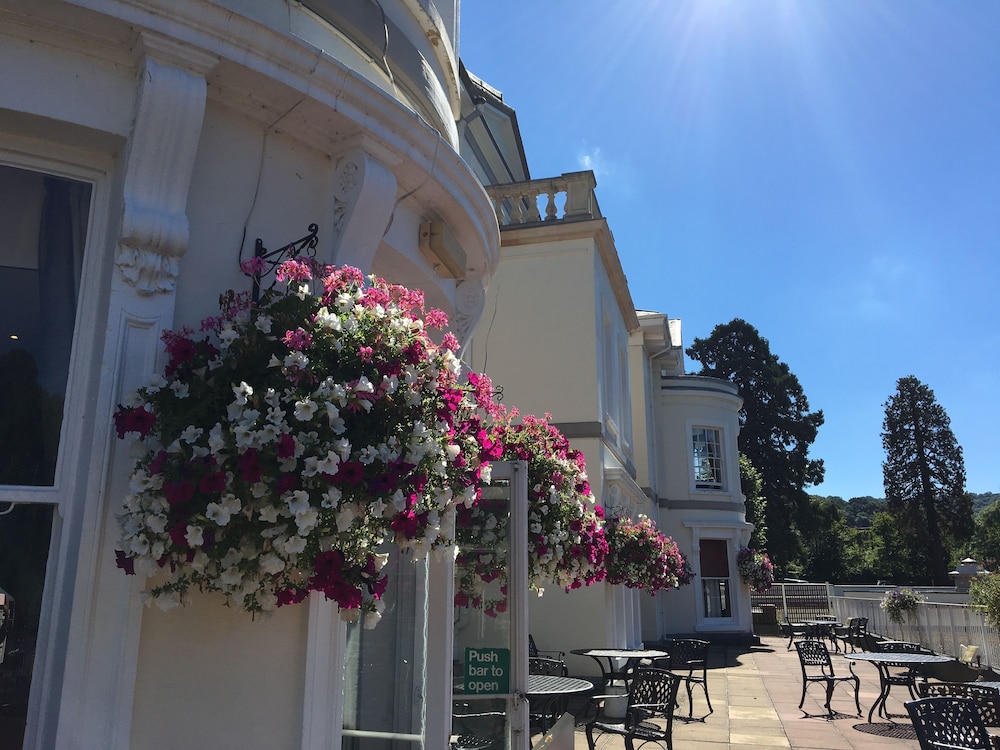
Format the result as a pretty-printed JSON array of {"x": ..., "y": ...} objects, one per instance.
[
  {"x": 194, "y": 536},
  {"x": 227, "y": 335},
  {"x": 296, "y": 360},
  {"x": 191, "y": 434},
  {"x": 242, "y": 392},
  {"x": 156, "y": 523},
  {"x": 306, "y": 520},
  {"x": 343, "y": 448},
  {"x": 293, "y": 545},
  {"x": 326, "y": 319},
  {"x": 271, "y": 564},
  {"x": 298, "y": 501},
  {"x": 305, "y": 409},
  {"x": 331, "y": 498},
  {"x": 180, "y": 389},
  {"x": 263, "y": 323},
  {"x": 217, "y": 513},
  {"x": 269, "y": 514}
]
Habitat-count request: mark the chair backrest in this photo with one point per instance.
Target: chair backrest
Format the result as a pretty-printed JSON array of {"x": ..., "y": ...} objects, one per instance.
[
  {"x": 544, "y": 665},
  {"x": 814, "y": 654},
  {"x": 688, "y": 653},
  {"x": 532, "y": 648},
  {"x": 948, "y": 721},
  {"x": 899, "y": 647},
  {"x": 652, "y": 694},
  {"x": 987, "y": 699}
]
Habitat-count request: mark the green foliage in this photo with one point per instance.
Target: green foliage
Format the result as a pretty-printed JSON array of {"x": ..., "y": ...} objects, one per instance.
[
  {"x": 986, "y": 538},
  {"x": 924, "y": 477},
  {"x": 776, "y": 426},
  {"x": 984, "y": 591},
  {"x": 860, "y": 511},
  {"x": 753, "y": 486},
  {"x": 824, "y": 540}
]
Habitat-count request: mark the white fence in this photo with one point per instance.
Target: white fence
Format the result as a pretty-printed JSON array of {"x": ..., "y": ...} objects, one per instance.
[{"x": 944, "y": 628}]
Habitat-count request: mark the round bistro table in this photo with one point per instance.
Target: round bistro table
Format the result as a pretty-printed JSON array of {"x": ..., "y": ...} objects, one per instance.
[{"x": 882, "y": 662}]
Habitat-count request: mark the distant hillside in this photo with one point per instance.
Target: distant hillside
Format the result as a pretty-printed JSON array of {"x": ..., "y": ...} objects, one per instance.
[{"x": 859, "y": 511}]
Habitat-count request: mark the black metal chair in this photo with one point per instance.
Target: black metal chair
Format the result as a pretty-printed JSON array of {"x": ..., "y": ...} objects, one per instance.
[
  {"x": 908, "y": 676},
  {"x": 649, "y": 716},
  {"x": 949, "y": 723},
  {"x": 533, "y": 650},
  {"x": 854, "y": 634},
  {"x": 987, "y": 699},
  {"x": 814, "y": 658},
  {"x": 793, "y": 630},
  {"x": 688, "y": 658}
]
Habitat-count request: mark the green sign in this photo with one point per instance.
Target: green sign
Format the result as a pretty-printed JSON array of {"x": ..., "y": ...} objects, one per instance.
[{"x": 487, "y": 670}]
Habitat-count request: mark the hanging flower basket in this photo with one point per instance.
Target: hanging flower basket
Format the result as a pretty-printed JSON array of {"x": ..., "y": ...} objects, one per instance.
[
  {"x": 755, "y": 568},
  {"x": 285, "y": 446},
  {"x": 566, "y": 544},
  {"x": 641, "y": 557},
  {"x": 899, "y": 602}
]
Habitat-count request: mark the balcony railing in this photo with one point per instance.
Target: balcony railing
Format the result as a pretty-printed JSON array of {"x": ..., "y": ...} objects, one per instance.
[{"x": 567, "y": 198}]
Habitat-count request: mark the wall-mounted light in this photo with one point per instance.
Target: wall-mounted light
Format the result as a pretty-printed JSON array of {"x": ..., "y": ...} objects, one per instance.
[{"x": 440, "y": 247}]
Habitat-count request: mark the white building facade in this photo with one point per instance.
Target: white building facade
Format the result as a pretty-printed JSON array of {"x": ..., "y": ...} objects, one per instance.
[{"x": 145, "y": 147}]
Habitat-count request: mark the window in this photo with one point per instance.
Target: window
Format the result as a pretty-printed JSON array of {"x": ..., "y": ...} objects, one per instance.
[
  {"x": 43, "y": 220},
  {"x": 707, "y": 451},
  {"x": 714, "y": 560}
]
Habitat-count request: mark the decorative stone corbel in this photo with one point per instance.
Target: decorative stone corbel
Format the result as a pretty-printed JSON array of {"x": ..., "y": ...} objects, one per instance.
[
  {"x": 169, "y": 111},
  {"x": 470, "y": 297},
  {"x": 364, "y": 195}
]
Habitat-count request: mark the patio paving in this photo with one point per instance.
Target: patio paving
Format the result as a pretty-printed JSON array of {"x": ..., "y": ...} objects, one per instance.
[{"x": 755, "y": 693}]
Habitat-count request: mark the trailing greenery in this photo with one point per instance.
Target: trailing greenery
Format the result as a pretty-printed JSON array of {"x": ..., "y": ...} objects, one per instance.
[{"x": 984, "y": 591}]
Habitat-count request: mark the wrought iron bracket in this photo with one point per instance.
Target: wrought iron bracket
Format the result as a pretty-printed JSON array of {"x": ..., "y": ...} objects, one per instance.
[{"x": 274, "y": 258}]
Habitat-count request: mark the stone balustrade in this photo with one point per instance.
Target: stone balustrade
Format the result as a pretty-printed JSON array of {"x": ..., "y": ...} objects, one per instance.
[{"x": 567, "y": 198}]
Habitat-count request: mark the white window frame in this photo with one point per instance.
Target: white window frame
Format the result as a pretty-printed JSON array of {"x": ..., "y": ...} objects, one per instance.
[
  {"x": 734, "y": 535},
  {"x": 78, "y": 453},
  {"x": 721, "y": 470}
]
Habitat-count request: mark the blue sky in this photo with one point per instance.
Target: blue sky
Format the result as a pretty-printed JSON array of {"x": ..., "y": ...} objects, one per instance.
[{"x": 827, "y": 171}]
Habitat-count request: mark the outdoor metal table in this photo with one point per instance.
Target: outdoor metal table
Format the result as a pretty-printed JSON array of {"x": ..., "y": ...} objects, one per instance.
[
  {"x": 823, "y": 630},
  {"x": 545, "y": 690},
  {"x": 883, "y": 661},
  {"x": 606, "y": 657}
]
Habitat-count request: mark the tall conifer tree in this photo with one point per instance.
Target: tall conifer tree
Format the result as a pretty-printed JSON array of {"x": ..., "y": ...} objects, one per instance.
[{"x": 924, "y": 477}]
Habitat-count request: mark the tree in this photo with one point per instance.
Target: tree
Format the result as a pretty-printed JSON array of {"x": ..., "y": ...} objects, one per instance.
[
  {"x": 753, "y": 489},
  {"x": 860, "y": 511},
  {"x": 776, "y": 426},
  {"x": 924, "y": 476},
  {"x": 824, "y": 540},
  {"x": 986, "y": 540}
]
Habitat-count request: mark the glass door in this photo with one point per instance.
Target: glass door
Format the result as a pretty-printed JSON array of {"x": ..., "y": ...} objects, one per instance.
[{"x": 490, "y": 660}]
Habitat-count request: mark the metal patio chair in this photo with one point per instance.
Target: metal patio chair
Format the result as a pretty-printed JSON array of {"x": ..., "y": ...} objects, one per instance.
[
  {"x": 689, "y": 659},
  {"x": 986, "y": 698},
  {"x": 814, "y": 658},
  {"x": 949, "y": 723},
  {"x": 649, "y": 716}
]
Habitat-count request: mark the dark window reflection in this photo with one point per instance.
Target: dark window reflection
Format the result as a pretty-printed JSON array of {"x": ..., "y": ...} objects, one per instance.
[
  {"x": 25, "y": 532},
  {"x": 43, "y": 221}
]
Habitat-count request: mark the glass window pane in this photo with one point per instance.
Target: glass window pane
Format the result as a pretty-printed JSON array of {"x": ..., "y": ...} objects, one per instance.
[
  {"x": 25, "y": 531},
  {"x": 43, "y": 220},
  {"x": 385, "y": 665}
]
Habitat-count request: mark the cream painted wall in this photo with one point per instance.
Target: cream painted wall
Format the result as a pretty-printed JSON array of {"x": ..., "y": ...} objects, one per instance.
[
  {"x": 212, "y": 672},
  {"x": 536, "y": 337}
]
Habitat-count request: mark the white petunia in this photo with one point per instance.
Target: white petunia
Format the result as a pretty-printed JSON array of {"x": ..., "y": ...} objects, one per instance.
[
  {"x": 191, "y": 434},
  {"x": 263, "y": 323},
  {"x": 271, "y": 564},
  {"x": 305, "y": 409},
  {"x": 227, "y": 335},
  {"x": 180, "y": 389},
  {"x": 306, "y": 520},
  {"x": 329, "y": 463},
  {"x": 294, "y": 545},
  {"x": 331, "y": 498},
  {"x": 269, "y": 514},
  {"x": 243, "y": 391},
  {"x": 217, "y": 513},
  {"x": 298, "y": 501},
  {"x": 194, "y": 536}
]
